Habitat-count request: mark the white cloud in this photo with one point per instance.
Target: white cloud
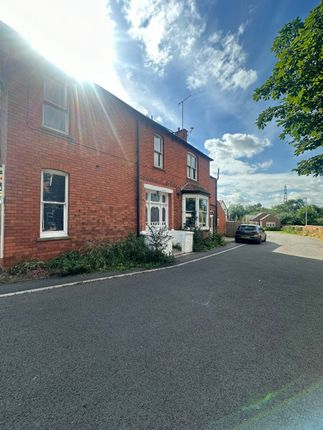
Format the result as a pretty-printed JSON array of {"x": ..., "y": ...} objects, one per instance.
[
  {"x": 268, "y": 188},
  {"x": 265, "y": 165},
  {"x": 244, "y": 181},
  {"x": 172, "y": 29},
  {"x": 228, "y": 151},
  {"x": 222, "y": 59},
  {"x": 243, "y": 78},
  {"x": 166, "y": 29}
]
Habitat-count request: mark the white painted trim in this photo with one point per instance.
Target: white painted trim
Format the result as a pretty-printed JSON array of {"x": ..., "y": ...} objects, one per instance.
[
  {"x": 121, "y": 275},
  {"x": 189, "y": 166},
  {"x": 156, "y": 188},
  {"x": 60, "y": 233},
  {"x": 197, "y": 197},
  {"x": 160, "y": 205}
]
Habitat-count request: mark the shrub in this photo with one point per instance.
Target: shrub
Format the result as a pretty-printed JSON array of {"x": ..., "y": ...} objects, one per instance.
[
  {"x": 177, "y": 246},
  {"x": 204, "y": 243},
  {"x": 127, "y": 253},
  {"x": 159, "y": 238},
  {"x": 25, "y": 268},
  {"x": 70, "y": 263}
]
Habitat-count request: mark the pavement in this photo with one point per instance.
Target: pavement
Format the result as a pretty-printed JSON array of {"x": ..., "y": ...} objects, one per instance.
[{"x": 224, "y": 340}]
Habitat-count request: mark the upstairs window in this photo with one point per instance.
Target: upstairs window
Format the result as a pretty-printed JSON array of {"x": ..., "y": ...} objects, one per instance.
[
  {"x": 54, "y": 192},
  {"x": 158, "y": 152},
  {"x": 55, "y": 109},
  {"x": 191, "y": 166}
]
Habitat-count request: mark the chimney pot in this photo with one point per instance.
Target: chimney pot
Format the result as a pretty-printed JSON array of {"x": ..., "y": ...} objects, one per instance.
[{"x": 182, "y": 133}]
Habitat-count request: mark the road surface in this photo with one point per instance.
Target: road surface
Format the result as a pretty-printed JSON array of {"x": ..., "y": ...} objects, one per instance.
[{"x": 234, "y": 340}]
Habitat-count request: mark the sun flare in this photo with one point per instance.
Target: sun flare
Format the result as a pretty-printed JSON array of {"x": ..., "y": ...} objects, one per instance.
[{"x": 76, "y": 36}]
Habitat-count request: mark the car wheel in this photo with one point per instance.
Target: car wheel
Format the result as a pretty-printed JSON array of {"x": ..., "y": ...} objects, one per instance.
[
  {"x": 237, "y": 241},
  {"x": 259, "y": 241}
]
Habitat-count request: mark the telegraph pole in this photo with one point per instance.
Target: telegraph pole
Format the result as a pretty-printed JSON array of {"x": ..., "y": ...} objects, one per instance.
[{"x": 285, "y": 194}]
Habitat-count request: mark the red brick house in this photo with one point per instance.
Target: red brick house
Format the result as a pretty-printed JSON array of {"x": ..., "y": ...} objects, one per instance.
[
  {"x": 79, "y": 165},
  {"x": 266, "y": 220}
]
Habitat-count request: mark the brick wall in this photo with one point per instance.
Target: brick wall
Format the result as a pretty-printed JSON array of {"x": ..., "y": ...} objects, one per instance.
[
  {"x": 174, "y": 172},
  {"x": 100, "y": 164}
]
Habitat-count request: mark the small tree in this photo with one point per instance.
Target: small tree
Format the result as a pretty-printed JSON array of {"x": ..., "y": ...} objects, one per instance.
[
  {"x": 237, "y": 212},
  {"x": 159, "y": 238}
]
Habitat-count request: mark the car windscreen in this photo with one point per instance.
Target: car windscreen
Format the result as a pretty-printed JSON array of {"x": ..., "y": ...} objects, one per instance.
[{"x": 247, "y": 228}]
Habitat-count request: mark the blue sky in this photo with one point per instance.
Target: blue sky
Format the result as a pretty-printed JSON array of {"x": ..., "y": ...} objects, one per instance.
[{"x": 154, "y": 53}]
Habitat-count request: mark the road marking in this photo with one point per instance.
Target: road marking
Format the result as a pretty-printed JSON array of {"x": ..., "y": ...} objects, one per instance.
[{"x": 121, "y": 275}]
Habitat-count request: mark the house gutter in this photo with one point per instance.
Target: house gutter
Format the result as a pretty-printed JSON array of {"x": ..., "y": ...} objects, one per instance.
[{"x": 138, "y": 193}]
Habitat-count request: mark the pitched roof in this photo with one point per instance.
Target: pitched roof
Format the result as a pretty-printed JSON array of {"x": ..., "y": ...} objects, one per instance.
[
  {"x": 258, "y": 215},
  {"x": 266, "y": 216},
  {"x": 154, "y": 124},
  {"x": 192, "y": 188}
]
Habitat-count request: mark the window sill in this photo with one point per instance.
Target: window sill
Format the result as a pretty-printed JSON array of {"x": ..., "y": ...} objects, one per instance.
[
  {"x": 193, "y": 228},
  {"x": 191, "y": 179},
  {"x": 159, "y": 168},
  {"x": 44, "y": 239},
  {"x": 58, "y": 133}
]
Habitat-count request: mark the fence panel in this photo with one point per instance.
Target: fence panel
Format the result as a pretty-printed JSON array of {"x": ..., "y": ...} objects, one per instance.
[{"x": 231, "y": 227}]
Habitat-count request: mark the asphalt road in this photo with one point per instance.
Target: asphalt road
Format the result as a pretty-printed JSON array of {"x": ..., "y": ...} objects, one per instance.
[{"x": 231, "y": 341}]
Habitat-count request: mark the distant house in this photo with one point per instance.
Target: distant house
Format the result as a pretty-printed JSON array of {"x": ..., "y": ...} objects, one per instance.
[
  {"x": 256, "y": 218},
  {"x": 266, "y": 220}
]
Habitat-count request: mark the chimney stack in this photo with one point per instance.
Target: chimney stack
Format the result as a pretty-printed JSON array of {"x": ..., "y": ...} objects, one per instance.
[{"x": 182, "y": 133}]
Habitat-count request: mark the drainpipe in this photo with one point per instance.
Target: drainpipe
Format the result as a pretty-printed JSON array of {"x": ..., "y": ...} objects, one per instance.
[
  {"x": 138, "y": 193},
  {"x": 215, "y": 221}
]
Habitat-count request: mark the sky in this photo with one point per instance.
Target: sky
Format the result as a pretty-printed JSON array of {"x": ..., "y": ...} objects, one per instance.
[{"x": 153, "y": 54}]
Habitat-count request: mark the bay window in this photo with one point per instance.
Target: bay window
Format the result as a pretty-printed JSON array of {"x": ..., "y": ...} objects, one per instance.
[
  {"x": 54, "y": 195},
  {"x": 195, "y": 209},
  {"x": 202, "y": 212}
]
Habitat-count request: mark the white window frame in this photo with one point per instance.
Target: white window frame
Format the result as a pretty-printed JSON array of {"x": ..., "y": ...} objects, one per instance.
[
  {"x": 63, "y": 108},
  {"x": 160, "y": 205},
  {"x": 57, "y": 233},
  {"x": 270, "y": 224},
  {"x": 197, "y": 198},
  {"x": 160, "y": 153},
  {"x": 191, "y": 171}
]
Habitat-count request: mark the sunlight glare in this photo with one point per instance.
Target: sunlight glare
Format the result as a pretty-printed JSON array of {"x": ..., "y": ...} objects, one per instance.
[{"x": 75, "y": 35}]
